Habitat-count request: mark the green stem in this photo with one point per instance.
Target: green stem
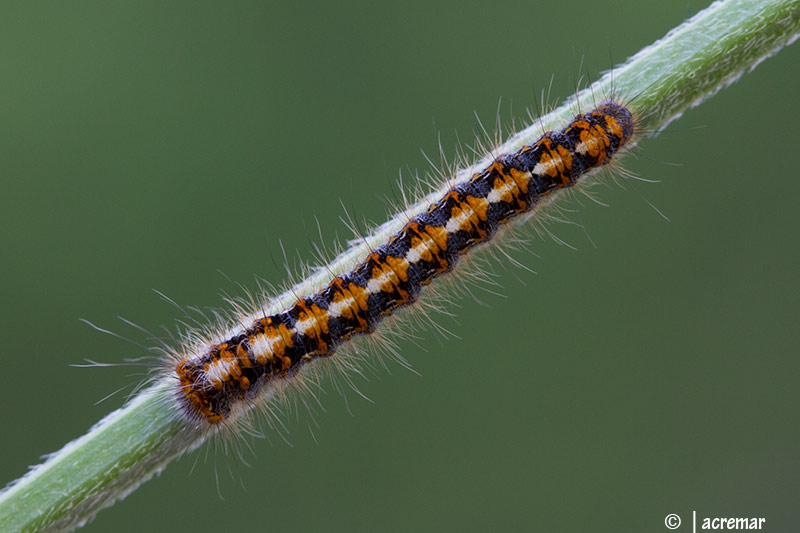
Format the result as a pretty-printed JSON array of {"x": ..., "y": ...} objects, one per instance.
[{"x": 691, "y": 63}]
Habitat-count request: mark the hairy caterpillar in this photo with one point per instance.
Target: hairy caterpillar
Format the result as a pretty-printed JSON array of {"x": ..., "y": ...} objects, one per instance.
[{"x": 228, "y": 376}]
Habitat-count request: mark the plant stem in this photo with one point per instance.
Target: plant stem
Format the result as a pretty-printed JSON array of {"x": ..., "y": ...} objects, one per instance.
[{"x": 691, "y": 63}]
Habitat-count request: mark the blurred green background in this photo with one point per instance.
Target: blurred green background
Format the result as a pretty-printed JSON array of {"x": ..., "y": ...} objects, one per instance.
[{"x": 153, "y": 145}]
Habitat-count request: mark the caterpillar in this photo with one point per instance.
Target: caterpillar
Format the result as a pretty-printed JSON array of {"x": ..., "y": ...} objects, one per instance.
[{"x": 221, "y": 382}]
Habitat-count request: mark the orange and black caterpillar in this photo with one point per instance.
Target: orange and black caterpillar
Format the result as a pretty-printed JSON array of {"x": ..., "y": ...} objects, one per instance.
[{"x": 213, "y": 384}]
